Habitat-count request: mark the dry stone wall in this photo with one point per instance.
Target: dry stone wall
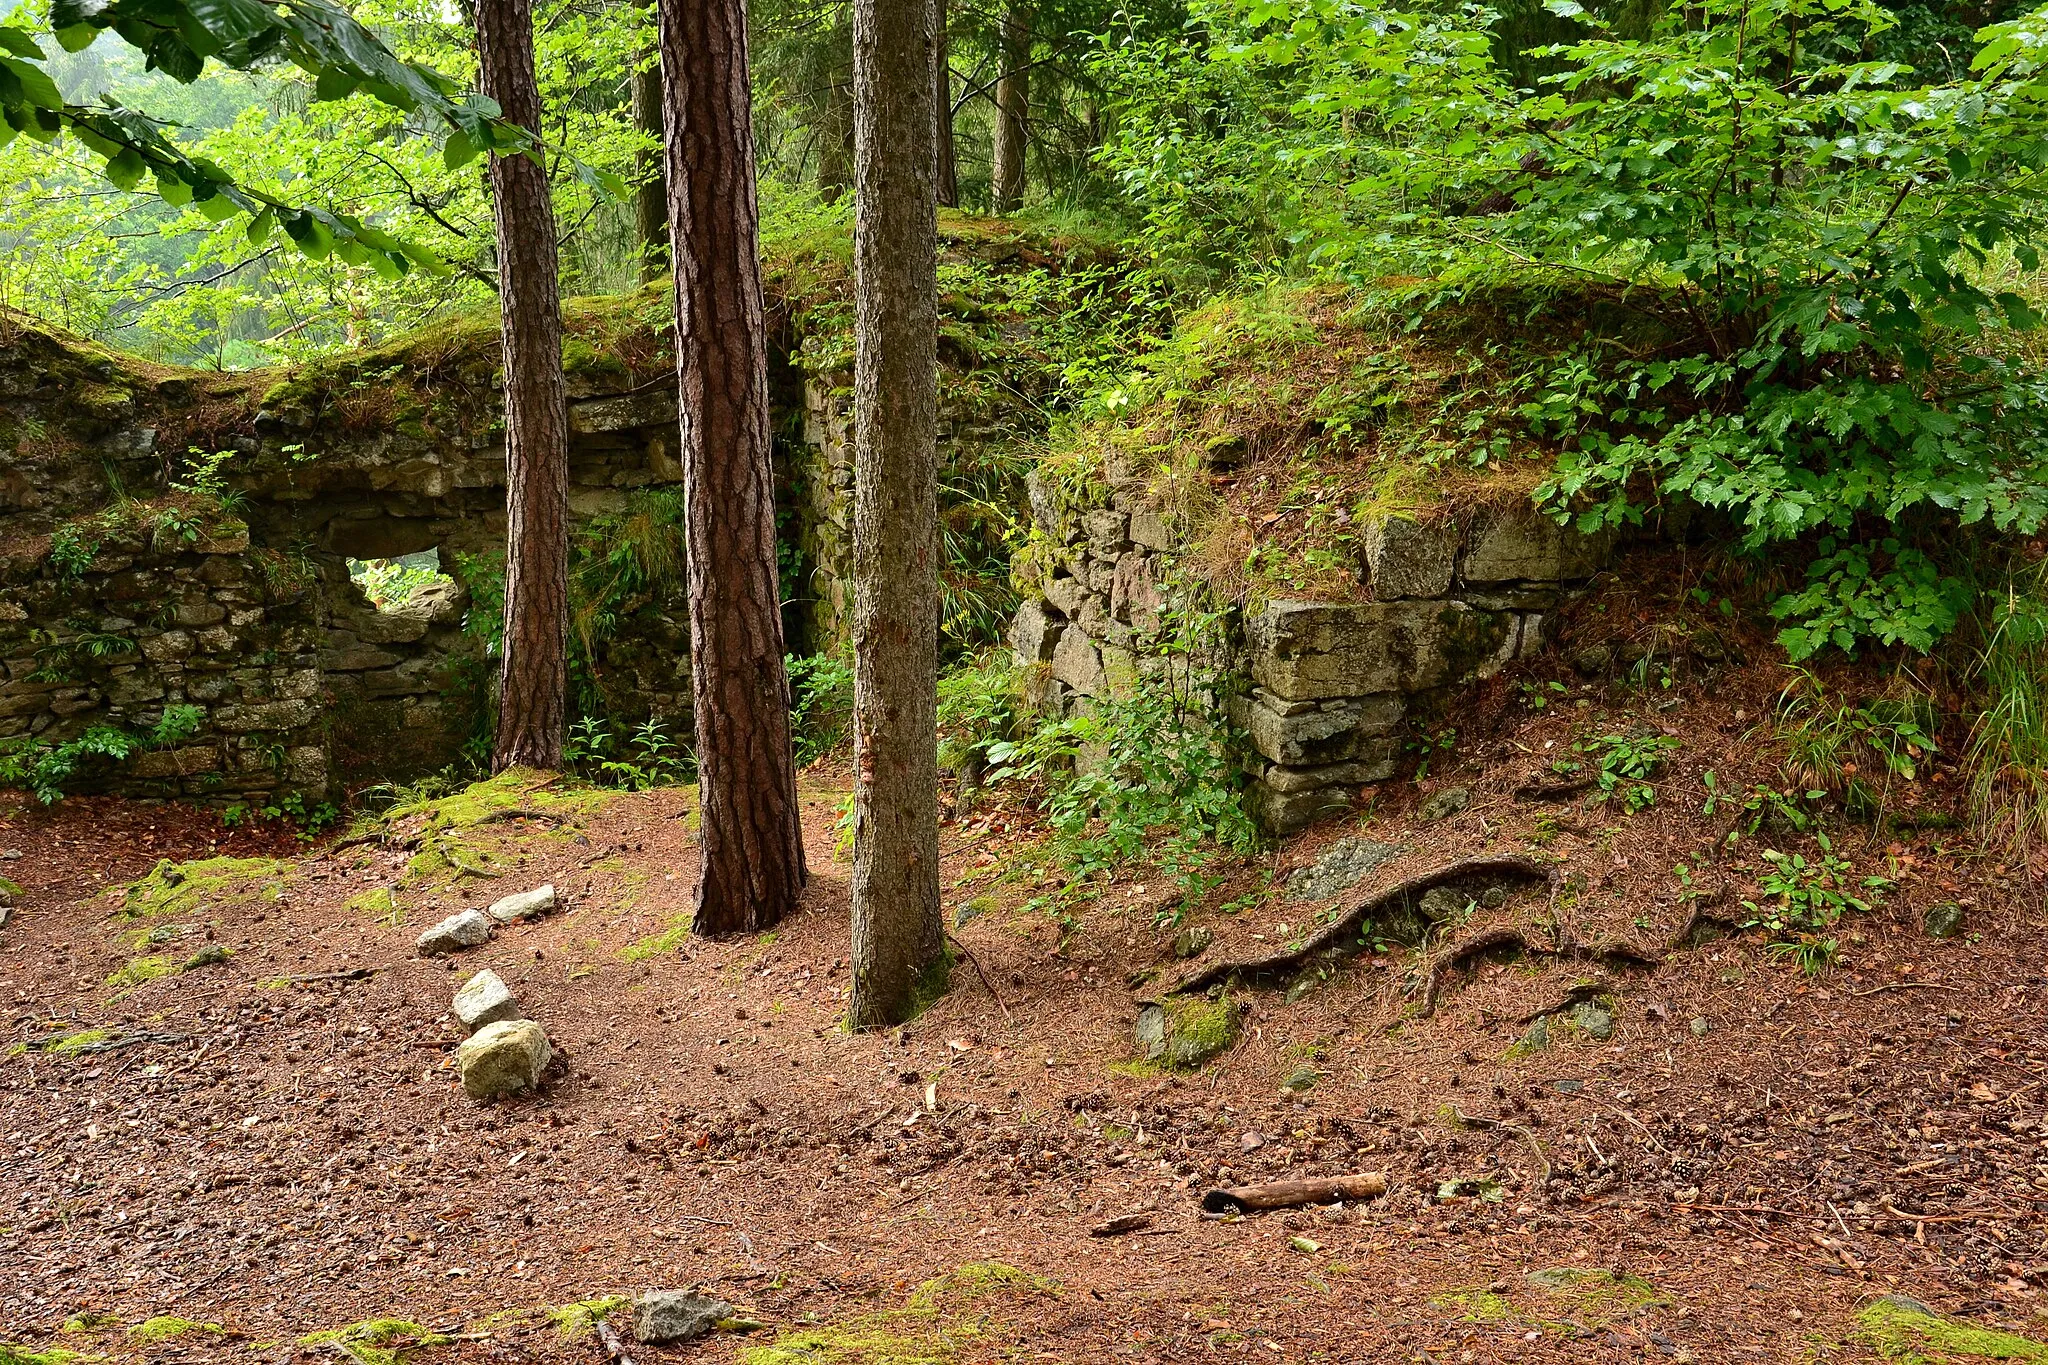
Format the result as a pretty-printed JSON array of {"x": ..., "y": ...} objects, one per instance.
[
  {"x": 1325, "y": 692},
  {"x": 122, "y": 595}
]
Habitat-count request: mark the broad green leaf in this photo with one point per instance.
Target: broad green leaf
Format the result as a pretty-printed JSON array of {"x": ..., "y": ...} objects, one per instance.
[
  {"x": 458, "y": 150},
  {"x": 124, "y": 172},
  {"x": 19, "y": 43},
  {"x": 31, "y": 83}
]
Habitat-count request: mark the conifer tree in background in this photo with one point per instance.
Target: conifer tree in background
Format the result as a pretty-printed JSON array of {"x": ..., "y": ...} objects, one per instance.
[
  {"x": 897, "y": 932},
  {"x": 751, "y": 862},
  {"x": 1013, "y": 110},
  {"x": 534, "y": 675}
]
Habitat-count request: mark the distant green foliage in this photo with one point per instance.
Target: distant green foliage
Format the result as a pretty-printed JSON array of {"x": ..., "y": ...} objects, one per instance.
[{"x": 642, "y": 758}]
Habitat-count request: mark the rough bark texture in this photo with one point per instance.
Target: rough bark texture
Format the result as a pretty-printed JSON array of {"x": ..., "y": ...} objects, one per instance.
[
  {"x": 751, "y": 869},
  {"x": 533, "y": 683},
  {"x": 948, "y": 166},
  {"x": 650, "y": 201},
  {"x": 1013, "y": 111},
  {"x": 897, "y": 933}
]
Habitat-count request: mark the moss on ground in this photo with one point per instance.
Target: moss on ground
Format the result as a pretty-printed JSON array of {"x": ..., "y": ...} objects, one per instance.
[
  {"x": 165, "y": 1328},
  {"x": 79, "y": 1041},
  {"x": 1198, "y": 1028},
  {"x": 578, "y": 1320},
  {"x": 22, "y": 1355},
  {"x": 1907, "y": 1331},
  {"x": 930, "y": 1329},
  {"x": 140, "y": 969},
  {"x": 381, "y": 903},
  {"x": 173, "y": 889},
  {"x": 1586, "y": 1297},
  {"x": 661, "y": 944},
  {"x": 379, "y": 1341}
]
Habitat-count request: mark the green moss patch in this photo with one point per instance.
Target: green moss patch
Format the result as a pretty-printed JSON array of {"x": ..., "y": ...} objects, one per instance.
[
  {"x": 379, "y": 1341},
  {"x": 1906, "y": 1330},
  {"x": 381, "y": 903},
  {"x": 165, "y": 1328},
  {"x": 173, "y": 889},
  {"x": 140, "y": 969},
  {"x": 1182, "y": 1032},
  {"x": 22, "y": 1355},
  {"x": 578, "y": 1320},
  {"x": 931, "y": 1329},
  {"x": 662, "y": 944}
]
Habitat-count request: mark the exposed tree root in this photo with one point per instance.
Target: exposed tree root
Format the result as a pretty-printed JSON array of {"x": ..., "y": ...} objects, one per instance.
[
  {"x": 1340, "y": 934},
  {"x": 1457, "y": 957}
]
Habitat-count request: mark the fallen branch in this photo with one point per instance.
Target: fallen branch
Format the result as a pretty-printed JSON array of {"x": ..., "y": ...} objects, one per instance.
[
  {"x": 975, "y": 963},
  {"x": 1458, "y": 957},
  {"x": 614, "y": 1344},
  {"x": 1502, "y": 1125},
  {"x": 1122, "y": 1223},
  {"x": 1341, "y": 933},
  {"x": 103, "y": 1044},
  {"x": 352, "y": 974},
  {"x": 1287, "y": 1194},
  {"x": 1554, "y": 791},
  {"x": 1905, "y": 986}
]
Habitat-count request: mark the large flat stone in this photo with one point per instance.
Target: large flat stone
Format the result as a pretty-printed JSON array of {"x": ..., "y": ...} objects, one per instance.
[
  {"x": 1077, "y": 663},
  {"x": 1409, "y": 558},
  {"x": 1358, "y": 728},
  {"x": 464, "y": 929},
  {"x": 1311, "y": 651},
  {"x": 1521, "y": 544}
]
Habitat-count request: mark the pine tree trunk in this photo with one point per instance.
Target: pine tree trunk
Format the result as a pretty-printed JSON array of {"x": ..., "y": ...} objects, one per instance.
[
  {"x": 751, "y": 861},
  {"x": 533, "y": 682},
  {"x": 650, "y": 201},
  {"x": 1013, "y": 111},
  {"x": 896, "y": 927},
  {"x": 948, "y": 168}
]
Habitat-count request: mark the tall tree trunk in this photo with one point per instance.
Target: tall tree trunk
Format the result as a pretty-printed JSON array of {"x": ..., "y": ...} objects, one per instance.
[
  {"x": 835, "y": 141},
  {"x": 1013, "y": 110},
  {"x": 534, "y": 681},
  {"x": 896, "y": 929},
  {"x": 948, "y": 166},
  {"x": 751, "y": 862},
  {"x": 650, "y": 202}
]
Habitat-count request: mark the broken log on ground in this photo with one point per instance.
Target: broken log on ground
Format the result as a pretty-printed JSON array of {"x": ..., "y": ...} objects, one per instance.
[{"x": 1287, "y": 1194}]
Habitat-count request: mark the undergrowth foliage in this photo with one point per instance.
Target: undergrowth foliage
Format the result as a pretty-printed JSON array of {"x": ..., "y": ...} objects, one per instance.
[
  {"x": 1831, "y": 255},
  {"x": 1154, "y": 775}
]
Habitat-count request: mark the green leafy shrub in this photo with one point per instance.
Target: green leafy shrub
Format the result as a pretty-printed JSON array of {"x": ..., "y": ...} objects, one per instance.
[
  {"x": 44, "y": 767},
  {"x": 2008, "y": 746},
  {"x": 820, "y": 703}
]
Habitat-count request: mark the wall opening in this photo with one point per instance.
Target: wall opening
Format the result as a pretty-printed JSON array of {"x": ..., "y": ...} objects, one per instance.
[{"x": 392, "y": 583}]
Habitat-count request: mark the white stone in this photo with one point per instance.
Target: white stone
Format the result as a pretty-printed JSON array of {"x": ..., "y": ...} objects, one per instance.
[
  {"x": 503, "y": 1058},
  {"x": 464, "y": 930},
  {"x": 485, "y": 999},
  {"x": 525, "y": 905}
]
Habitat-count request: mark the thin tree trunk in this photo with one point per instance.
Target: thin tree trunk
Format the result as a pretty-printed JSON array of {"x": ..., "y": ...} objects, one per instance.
[
  {"x": 948, "y": 168},
  {"x": 650, "y": 202},
  {"x": 751, "y": 862},
  {"x": 896, "y": 929},
  {"x": 835, "y": 143},
  {"x": 1013, "y": 110},
  {"x": 533, "y": 682}
]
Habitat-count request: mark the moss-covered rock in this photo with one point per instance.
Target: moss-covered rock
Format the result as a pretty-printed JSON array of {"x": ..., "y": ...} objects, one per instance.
[{"x": 1183, "y": 1032}]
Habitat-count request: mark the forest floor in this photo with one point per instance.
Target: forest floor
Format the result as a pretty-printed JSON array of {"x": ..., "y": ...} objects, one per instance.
[{"x": 226, "y": 1160}]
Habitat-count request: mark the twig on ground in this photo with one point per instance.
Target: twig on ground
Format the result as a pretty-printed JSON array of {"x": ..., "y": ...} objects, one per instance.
[
  {"x": 1502, "y": 1125},
  {"x": 975, "y": 963},
  {"x": 1905, "y": 986},
  {"x": 614, "y": 1345}
]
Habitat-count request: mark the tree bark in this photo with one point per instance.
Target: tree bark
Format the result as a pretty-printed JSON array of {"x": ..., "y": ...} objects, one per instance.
[
  {"x": 896, "y": 928},
  {"x": 533, "y": 680},
  {"x": 650, "y": 201},
  {"x": 947, "y": 189},
  {"x": 1013, "y": 111},
  {"x": 751, "y": 861}
]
